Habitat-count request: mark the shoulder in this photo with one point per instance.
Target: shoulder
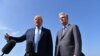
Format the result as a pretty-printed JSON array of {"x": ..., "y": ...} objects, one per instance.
[
  {"x": 30, "y": 29},
  {"x": 74, "y": 25},
  {"x": 59, "y": 31},
  {"x": 46, "y": 29}
]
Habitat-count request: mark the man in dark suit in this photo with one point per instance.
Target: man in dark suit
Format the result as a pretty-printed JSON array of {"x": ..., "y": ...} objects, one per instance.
[
  {"x": 40, "y": 36},
  {"x": 68, "y": 42}
]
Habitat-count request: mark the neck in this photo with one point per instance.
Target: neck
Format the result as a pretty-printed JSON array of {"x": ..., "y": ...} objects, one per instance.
[
  {"x": 38, "y": 26},
  {"x": 65, "y": 24}
]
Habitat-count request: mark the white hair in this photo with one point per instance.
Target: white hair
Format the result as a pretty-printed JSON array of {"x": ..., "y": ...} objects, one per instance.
[
  {"x": 63, "y": 13},
  {"x": 38, "y": 16}
]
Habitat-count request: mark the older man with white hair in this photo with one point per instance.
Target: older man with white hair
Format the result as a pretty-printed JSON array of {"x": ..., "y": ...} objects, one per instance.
[
  {"x": 68, "y": 40},
  {"x": 40, "y": 36}
]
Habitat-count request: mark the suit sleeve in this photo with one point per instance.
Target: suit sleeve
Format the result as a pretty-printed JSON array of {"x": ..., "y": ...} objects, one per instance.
[
  {"x": 50, "y": 44},
  {"x": 77, "y": 39},
  {"x": 19, "y": 39}
]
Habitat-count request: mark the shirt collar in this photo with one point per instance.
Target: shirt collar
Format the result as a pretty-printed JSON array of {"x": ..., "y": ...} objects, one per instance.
[
  {"x": 39, "y": 27},
  {"x": 64, "y": 26}
]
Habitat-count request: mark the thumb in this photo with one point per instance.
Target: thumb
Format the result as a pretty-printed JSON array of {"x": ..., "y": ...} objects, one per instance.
[{"x": 7, "y": 34}]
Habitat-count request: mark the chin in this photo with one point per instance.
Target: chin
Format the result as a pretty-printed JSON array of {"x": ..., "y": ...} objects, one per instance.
[{"x": 62, "y": 23}]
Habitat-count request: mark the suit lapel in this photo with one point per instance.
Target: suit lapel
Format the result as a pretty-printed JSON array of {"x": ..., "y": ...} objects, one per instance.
[
  {"x": 42, "y": 32},
  {"x": 66, "y": 31},
  {"x": 33, "y": 34},
  {"x": 60, "y": 33}
]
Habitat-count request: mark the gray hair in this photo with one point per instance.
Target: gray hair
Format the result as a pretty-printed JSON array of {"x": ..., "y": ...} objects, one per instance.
[
  {"x": 63, "y": 13},
  {"x": 38, "y": 16}
]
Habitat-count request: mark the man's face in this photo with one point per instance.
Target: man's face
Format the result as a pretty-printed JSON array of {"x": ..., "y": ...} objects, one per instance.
[
  {"x": 63, "y": 19},
  {"x": 38, "y": 21}
]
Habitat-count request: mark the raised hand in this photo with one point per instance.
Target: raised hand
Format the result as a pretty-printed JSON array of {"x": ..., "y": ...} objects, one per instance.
[{"x": 6, "y": 36}]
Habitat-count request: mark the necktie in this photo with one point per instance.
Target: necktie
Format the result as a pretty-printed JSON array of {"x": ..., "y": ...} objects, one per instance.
[
  {"x": 63, "y": 30},
  {"x": 37, "y": 35}
]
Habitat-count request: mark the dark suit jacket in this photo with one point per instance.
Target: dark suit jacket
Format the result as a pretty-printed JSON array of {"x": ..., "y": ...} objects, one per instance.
[
  {"x": 45, "y": 47},
  {"x": 69, "y": 43}
]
